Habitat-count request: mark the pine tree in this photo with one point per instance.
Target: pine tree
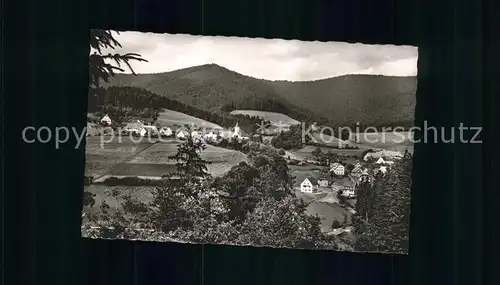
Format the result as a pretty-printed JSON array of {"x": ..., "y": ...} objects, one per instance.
[
  {"x": 99, "y": 66},
  {"x": 188, "y": 158}
]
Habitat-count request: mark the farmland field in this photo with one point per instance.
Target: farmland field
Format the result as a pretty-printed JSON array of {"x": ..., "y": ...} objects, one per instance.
[
  {"x": 101, "y": 157},
  {"x": 274, "y": 118},
  {"x": 169, "y": 117},
  {"x": 148, "y": 159}
]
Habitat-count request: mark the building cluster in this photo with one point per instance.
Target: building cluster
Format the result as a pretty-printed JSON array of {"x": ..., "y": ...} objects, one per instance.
[
  {"x": 345, "y": 181},
  {"x": 141, "y": 129}
]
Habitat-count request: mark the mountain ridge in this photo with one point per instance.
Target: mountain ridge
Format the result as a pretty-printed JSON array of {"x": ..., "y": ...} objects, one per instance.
[
  {"x": 214, "y": 65},
  {"x": 345, "y": 99}
]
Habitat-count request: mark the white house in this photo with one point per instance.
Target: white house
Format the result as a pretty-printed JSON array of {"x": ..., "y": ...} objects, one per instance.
[
  {"x": 106, "y": 120},
  {"x": 380, "y": 161},
  {"x": 309, "y": 185},
  {"x": 383, "y": 169},
  {"x": 166, "y": 131},
  {"x": 182, "y": 134},
  {"x": 337, "y": 168},
  {"x": 323, "y": 182},
  {"x": 195, "y": 135}
]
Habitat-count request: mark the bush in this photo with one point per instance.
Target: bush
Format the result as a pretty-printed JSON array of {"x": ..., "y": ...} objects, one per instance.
[{"x": 336, "y": 224}]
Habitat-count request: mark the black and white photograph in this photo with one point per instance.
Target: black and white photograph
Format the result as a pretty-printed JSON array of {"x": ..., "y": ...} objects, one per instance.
[{"x": 249, "y": 141}]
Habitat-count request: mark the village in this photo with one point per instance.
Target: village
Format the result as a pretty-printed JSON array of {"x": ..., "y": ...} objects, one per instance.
[
  {"x": 334, "y": 181},
  {"x": 155, "y": 130},
  {"x": 207, "y": 153}
]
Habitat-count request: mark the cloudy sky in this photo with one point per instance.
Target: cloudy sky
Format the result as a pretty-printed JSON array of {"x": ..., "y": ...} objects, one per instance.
[{"x": 268, "y": 59}]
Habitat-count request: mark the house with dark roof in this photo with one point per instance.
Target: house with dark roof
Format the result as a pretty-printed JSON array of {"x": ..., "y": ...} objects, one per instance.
[
  {"x": 348, "y": 189},
  {"x": 323, "y": 182}
]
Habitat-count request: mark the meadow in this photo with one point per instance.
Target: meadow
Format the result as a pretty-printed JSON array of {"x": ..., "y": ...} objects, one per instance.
[
  {"x": 169, "y": 118},
  {"x": 146, "y": 158},
  {"x": 277, "y": 119},
  {"x": 100, "y": 157}
]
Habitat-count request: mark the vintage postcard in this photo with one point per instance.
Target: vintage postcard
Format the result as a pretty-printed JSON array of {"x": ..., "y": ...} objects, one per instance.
[{"x": 249, "y": 141}]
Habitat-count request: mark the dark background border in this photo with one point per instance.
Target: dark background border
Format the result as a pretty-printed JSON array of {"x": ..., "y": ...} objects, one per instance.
[{"x": 44, "y": 82}]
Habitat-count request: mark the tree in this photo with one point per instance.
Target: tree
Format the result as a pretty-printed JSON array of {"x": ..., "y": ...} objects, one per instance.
[
  {"x": 364, "y": 201},
  {"x": 88, "y": 199},
  {"x": 283, "y": 223},
  {"x": 99, "y": 66},
  {"x": 349, "y": 167},
  {"x": 386, "y": 223},
  {"x": 317, "y": 152},
  {"x": 240, "y": 193},
  {"x": 291, "y": 139},
  {"x": 188, "y": 158},
  {"x": 336, "y": 224},
  {"x": 274, "y": 179}
]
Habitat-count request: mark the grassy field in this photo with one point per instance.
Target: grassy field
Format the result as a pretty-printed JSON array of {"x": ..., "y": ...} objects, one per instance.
[
  {"x": 102, "y": 157},
  {"x": 274, "y": 118},
  {"x": 147, "y": 159},
  {"x": 387, "y": 140},
  {"x": 306, "y": 152},
  {"x": 328, "y": 212},
  {"x": 169, "y": 117}
]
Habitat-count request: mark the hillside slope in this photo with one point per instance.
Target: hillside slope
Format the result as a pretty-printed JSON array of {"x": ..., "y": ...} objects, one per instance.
[
  {"x": 340, "y": 100},
  {"x": 368, "y": 99}
]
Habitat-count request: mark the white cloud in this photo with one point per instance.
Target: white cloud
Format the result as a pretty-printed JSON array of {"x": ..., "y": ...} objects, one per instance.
[{"x": 269, "y": 59}]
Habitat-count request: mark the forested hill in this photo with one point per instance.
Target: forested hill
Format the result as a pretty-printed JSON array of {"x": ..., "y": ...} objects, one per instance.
[{"x": 344, "y": 100}]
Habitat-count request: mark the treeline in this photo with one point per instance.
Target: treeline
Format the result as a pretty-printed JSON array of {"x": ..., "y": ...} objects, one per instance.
[{"x": 135, "y": 101}]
